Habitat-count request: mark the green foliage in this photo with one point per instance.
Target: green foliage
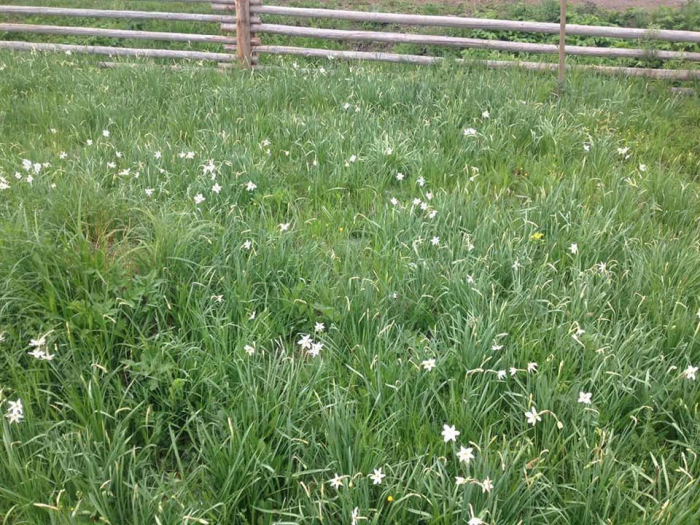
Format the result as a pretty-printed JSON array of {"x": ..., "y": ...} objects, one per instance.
[{"x": 155, "y": 409}]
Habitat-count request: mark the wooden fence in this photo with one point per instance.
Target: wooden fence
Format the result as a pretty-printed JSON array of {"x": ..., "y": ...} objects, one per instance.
[{"x": 241, "y": 23}]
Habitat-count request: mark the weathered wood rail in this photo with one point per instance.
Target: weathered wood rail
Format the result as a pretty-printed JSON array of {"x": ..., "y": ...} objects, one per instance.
[{"x": 240, "y": 24}]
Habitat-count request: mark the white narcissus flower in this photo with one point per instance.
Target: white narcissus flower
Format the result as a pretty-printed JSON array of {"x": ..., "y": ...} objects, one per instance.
[
  {"x": 400, "y": 176},
  {"x": 305, "y": 342},
  {"x": 475, "y": 521},
  {"x": 465, "y": 454},
  {"x": 435, "y": 241},
  {"x": 15, "y": 411},
  {"x": 105, "y": 133},
  {"x": 585, "y": 397},
  {"x": 157, "y": 155},
  {"x": 251, "y": 186},
  {"x": 487, "y": 485},
  {"x": 249, "y": 349},
  {"x": 573, "y": 248},
  {"x": 285, "y": 226},
  {"x": 469, "y": 132},
  {"x": 337, "y": 481},
  {"x": 315, "y": 349},
  {"x": 532, "y": 367},
  {"x": 199, "y": 198},
  {"x": 421, "y": 181},
  {"x": 691, "y": 372},
  {"x": 62, "y": 155},
  {"x": 485, "y": 114},
  {"x": 449, "y": 433},
  {"x": 459, "y": 480},
  {"x": 247, "y": 245},
  {"x": 532, "y": 416},
  {"x": 428, "y": 364},
  {"x": 319, "y": 327},
  {"x": 216, "y": 188},
  {"x": 501, "y": 374},
  {"x": 377, "y": 476}
]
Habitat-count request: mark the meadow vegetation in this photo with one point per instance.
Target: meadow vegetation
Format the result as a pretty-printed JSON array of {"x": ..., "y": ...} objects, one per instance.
[{"x": 354, "y": 294}]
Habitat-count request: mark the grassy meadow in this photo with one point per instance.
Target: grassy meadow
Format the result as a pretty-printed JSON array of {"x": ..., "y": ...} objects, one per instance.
[{"x": 359, "y": 294}]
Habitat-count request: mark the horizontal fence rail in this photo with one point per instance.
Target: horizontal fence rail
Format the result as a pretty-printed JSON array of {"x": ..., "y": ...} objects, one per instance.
[
  {"x": 667, "y": 74},
  {"x": 116, "y": 33},
  {"x": 117, "y": 51},
  {"x": 109, "y": 13},
  {"x": 478, "y": 23},
  {"x": 474, "y": 43},
  {"x": 240, "y": 27}
]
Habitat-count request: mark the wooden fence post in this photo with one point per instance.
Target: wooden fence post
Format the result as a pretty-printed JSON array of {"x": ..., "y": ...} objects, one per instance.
[
  {"x": 243, "y": 45},
  {"x": 562, "y": 45}
]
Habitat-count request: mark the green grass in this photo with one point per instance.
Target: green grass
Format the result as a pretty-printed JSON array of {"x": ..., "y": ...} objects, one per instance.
[{"x": 152, "y": 411}]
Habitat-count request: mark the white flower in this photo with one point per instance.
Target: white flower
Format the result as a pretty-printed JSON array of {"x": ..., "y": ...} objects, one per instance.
[
  {"x": 586, "y": 148},
  {"x": 423, "y": 206},
  {"x": 346, "y": 105},
  {"x": 487, "y": 485},
  {"x": 29, "y": 179},
  {"x": 377, "y": 476},
  {"x": 516, "y": 265},
  {"x": 691, "y": 372},
  {"x": 305, "y": 342},
  {"x": 157, "y": 155},
  {"x": 400, "y": 176},
  {"x": 216, "y": 188},
  {"x": 285, "y": 226},
  {"x": 218, "y": 298},
  {"x": 105, "y": 133},
  {"x": 125, "y": 172},
  {"x": 319, "y": 327},
  {"x": 501, "y": 374},
  {"x": 247, "y": 245},
  {"x": 532, "y": 367},
  {"x": 495, "y": 347},
  {"x": 62, "y": 155},
  {"x": 622, "y": 151},
  {"x": 475, "y": 521},
  {"x": 429, "y": 196},
  {"x": 337, "y": 481},
  {"x": 449, "y": 433},
  {"x": 189, "y": 155},
  {"x": 573, "y": 248},
  {"x": 15, "y": 411},
  {"x": 421, "y": 181},
  {"x": 89, "y": 142},
  {"x": 465, "y": 454},
  {"x": 388, "y": 151},
  {"x": 251, "y": 317},
  {"x": 469, "y": 132},
  {"x": 118, "y": 154},
  {"x": 149, "y": 191},
  {"x": 315, "y": 349},
  {"x": 513, "y": 371},
  {"x": 428, "y": 364},
  {"x": 602, "y": 267},
  {"x": 249, "y": 349},
  {"x": 585, "y": 397},
  {"x": 459, "y": 480},
  {"x": 642, "y": 167},
  {"x": 416, "y": 201},
  {"x": 353, "y": 158},
  {"x": 250, "y": 186},
  {"x": 485, "y": 114},
  {"x": 52, "y": 130},
  {"x": 394, "y": 201},
  {"x": 199, "y": 198},
  {"x": 432, "y": 214},
  {"x": 356, "y": 511},
  {"x": 435, "y": 241},
  {"x": 38, "y": 343},
  {"x": 532, "y": 416}
]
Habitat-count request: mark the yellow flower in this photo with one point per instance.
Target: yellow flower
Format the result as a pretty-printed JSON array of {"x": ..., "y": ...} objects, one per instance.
[
  {"x": 390, "y": 498},
  {"x": 341, "y": 229},
  {"x": 536, "y": 236}
]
